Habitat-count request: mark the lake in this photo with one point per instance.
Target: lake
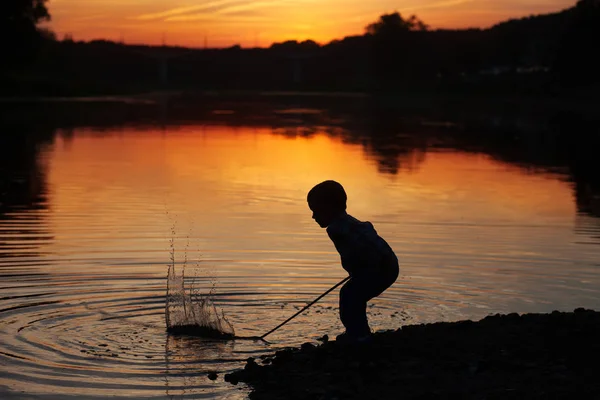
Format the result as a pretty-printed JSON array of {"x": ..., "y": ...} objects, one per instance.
[{"x": 92, "y": 214}]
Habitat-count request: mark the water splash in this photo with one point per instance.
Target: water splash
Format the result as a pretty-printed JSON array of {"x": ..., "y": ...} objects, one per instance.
[{"x": 189, "y": 311}]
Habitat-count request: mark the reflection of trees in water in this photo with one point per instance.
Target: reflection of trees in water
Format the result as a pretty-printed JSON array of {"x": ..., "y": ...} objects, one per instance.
[
  {"x": 383, "y": 138},
  {"x": 390, "y": 140},
  {"x": 396, "y": 138},
  {"x": 393, "y": 158},
  {"x": 582, "y": 148},
  {"x": 23, "y": 189},
  {"x": 296, "y": 131},
  {"x": 563, "y": 143},
  {"x": 568, "y": 146},
  {"x": 587, "y": 198}
]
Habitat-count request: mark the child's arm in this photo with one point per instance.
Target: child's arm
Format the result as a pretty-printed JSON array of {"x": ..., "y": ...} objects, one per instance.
[{"x": 343, "y": 247}]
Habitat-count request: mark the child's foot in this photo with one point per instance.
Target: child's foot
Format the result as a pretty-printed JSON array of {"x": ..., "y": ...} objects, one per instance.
[{"x": 346, "y": 338}]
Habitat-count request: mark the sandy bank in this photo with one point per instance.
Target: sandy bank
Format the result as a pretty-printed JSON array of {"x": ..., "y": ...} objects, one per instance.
[{"x": 512, "y": 356}]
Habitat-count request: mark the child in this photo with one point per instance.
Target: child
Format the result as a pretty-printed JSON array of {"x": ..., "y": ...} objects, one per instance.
[{"x": 368, "y": 259}]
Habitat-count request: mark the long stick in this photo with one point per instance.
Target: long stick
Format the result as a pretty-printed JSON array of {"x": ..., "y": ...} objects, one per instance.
[{"x": 304, "y": 309}]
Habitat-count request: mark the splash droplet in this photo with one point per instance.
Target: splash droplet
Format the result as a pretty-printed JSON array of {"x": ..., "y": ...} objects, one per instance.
[{"x": 189, "y": 313}]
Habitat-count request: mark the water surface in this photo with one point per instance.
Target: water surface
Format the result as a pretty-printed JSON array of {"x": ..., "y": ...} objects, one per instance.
[{"x": 92, "y": 217}]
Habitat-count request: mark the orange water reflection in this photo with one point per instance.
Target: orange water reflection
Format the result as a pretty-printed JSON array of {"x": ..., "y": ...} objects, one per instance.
[
  {"x": 210, "y": 169},
  {"x": 235, "y": 197},
  {"x": 474, "y": 236}
]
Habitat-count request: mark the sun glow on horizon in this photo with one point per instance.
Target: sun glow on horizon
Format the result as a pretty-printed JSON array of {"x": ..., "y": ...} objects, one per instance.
[{"x": 222, "y": 23}]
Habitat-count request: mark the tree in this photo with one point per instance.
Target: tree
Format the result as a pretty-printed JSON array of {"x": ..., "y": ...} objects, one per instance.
[
  {"x": 19, "y": 20},
  {"x": 394, "y": 24},
  {"x": 399, "y": 51},
  {"x": 577, "y": 61},
  {"x": 21, "y": 17}
]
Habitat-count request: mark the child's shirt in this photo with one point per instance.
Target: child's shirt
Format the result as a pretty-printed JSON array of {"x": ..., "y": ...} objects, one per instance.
[{"x": 361, "y": 249}]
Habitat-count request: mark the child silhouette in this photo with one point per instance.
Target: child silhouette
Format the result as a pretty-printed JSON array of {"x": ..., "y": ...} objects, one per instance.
[{"x": 368, "y": 259}]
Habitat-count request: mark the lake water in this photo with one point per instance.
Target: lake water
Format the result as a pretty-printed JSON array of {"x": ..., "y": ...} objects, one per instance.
[{"x": 90, "y": 216}]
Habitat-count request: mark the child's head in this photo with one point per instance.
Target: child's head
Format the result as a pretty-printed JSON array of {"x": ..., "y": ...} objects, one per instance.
[{"x": 327, "y": 200}]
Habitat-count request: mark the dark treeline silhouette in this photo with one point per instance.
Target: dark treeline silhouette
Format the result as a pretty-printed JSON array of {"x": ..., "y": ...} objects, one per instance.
[{"x": 545, "y": 54}]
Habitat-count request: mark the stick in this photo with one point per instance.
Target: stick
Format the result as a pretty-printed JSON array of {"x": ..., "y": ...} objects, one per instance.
[{"x": 304, "y": 309}]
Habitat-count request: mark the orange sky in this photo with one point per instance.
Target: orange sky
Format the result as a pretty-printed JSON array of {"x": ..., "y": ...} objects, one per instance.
[{"x": 251, "y": 22}]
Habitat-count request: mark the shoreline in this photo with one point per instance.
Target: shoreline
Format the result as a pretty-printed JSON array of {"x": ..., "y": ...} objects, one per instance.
[
  {"x": 161, "y": 103},
  {"x": 530, "y": 356},
  {"x": 558, "y": 100}
]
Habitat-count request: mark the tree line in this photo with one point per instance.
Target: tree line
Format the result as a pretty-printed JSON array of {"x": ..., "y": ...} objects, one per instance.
[{"x": 538, "y": 54}]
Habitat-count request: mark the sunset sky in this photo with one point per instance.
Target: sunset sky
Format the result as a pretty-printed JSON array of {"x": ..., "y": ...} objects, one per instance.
[{"x": 262, "y": 22}]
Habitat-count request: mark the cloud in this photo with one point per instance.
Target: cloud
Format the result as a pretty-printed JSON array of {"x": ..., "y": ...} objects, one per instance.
[
  {"x": 214, "y": 8},
  {"x": 184, "y": 10},
  {"x": 92, "y": 17},
  {"x": 249, "y": 6},
  {"x": 439, "y": 4},
  {"x": 236, "y": 7}
]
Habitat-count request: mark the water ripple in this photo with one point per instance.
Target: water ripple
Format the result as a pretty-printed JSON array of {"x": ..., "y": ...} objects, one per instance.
[{"x": 83, "y": 271}]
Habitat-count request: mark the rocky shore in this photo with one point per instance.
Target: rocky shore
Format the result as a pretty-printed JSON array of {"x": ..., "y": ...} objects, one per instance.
[{"x": 530, "y": 356}]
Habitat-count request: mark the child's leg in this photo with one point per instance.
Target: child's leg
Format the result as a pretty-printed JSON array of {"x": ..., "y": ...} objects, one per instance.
[
  {"x": 353, "y": 308},
  {"x": 354, "y": 296},
  {"x": 377, "y": 284}
]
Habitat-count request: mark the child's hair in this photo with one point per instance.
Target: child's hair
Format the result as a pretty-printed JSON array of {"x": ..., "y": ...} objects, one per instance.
[{"x": 330, "y": 193}]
